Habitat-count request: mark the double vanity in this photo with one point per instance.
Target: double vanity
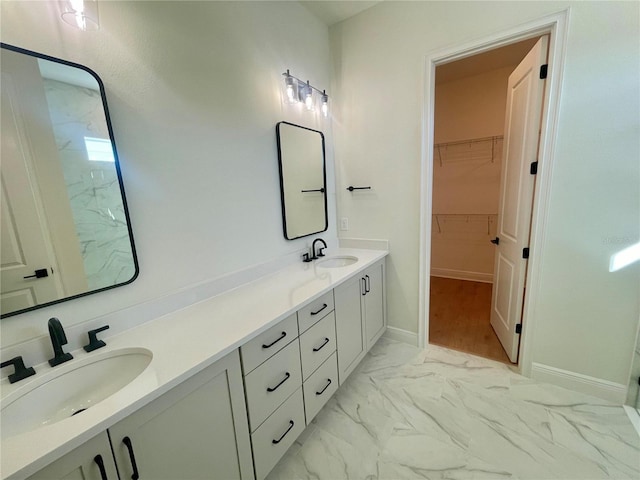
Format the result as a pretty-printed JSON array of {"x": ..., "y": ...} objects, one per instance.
[{"x": 220, "y": 389}]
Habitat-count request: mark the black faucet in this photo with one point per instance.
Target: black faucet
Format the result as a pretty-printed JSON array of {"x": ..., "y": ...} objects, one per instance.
[
  {"x": 58, "y": 339},
  {"x": 320, "y": 250}
]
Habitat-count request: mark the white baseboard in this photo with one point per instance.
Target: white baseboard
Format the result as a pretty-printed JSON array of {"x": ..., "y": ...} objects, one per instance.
[
  {"x": 613, "y": 392},
  {"x": 634, "y": 417},
  {"x": 400, "y": 335},
  {"x": 462, "y": 275}
]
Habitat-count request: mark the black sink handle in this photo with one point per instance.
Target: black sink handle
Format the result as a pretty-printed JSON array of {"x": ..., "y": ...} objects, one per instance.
[{"x": 94, "y": 343}]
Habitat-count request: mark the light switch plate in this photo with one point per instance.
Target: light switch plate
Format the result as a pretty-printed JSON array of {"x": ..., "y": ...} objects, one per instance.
[{"x": 344, "y": 223}]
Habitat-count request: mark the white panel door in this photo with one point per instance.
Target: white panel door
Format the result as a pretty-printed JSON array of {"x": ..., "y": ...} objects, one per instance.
[
  {"x": 350, "y": 339},
  {"x": 24, "y": 234},
  {"x": 522, "y": 126},
  {"x": 91, "y": 461},
  {"x": 374, "y": 307}
]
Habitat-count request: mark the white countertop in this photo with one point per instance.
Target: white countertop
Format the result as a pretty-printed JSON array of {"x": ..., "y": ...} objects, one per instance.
[{"x": 183, "y": 343}]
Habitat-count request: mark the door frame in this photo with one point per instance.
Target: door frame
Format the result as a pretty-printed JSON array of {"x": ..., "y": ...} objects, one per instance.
[{"x": 555, "y": 26}]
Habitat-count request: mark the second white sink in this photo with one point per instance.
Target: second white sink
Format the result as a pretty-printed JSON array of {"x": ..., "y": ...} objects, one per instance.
[
  {"x": 337, "y": 261},
  {"x": 70, "y": 388}
]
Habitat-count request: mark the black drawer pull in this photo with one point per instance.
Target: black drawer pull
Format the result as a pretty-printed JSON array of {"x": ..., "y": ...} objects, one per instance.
[
  {"x": 134, "y": 465},
  {"x": 325, "y": 387},
  {"x": 317, "y": 349},
  {"x": 367, "y": 284},
  {"x": 284, "y": 334},
  {"x": 275, "y": 442},
  {"x": 286, "y": 377},
  {"x": 100, "y": 462},
  {"x": 324, "y": 305}
]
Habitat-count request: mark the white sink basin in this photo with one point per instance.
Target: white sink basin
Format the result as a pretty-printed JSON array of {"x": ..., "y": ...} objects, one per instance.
[
  {"x": 337, "y": 261},
  {"x": 70, "y": 388}
]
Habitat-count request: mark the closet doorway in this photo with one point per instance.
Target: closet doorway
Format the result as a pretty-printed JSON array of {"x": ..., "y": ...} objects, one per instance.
[{"x": 475, "y": 187}]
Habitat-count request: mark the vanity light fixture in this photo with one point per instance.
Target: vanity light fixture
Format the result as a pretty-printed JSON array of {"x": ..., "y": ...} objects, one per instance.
[
  {"x": 82, "y": 14},
  {"x": 298, "y": 91}
]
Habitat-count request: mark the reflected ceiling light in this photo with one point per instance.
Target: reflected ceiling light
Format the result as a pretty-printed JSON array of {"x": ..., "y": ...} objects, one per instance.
[
  {"x": 82, "y": 14},
  {"x": 298, "y": 91}
]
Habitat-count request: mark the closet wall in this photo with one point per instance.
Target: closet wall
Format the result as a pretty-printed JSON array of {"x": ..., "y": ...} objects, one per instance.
[{"x": 469, "y": 124}]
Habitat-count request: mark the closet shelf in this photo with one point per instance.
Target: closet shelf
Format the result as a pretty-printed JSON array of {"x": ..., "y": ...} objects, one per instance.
[
  {"x": 465, "y": 222},
  {"x": 487, "y": 149}
]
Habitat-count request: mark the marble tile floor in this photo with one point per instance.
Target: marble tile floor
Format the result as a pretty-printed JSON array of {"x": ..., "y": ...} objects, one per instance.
[{"x": 407, "y": 413}]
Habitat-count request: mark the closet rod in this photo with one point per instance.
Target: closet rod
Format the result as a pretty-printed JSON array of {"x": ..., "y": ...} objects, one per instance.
[{"x": 471, "y": 140}]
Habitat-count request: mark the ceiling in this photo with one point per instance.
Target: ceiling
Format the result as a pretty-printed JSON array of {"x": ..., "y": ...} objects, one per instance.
[
  {"x": 507, "y": 56},
  {"x": 334, "y": 11}
]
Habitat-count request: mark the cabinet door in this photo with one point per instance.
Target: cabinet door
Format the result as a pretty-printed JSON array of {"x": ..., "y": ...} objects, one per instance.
[
  {"x": 349, "y": 326},
  {"x": 374, "y": 304},
  {"x": 83, "y": 463},
  {"x": 197, "y": 430}
]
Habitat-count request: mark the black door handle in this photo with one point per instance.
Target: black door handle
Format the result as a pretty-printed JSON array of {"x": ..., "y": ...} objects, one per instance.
[
  {"x": 275, "y": 442},
  {"x": 317, "y": 349},
  {"x": 495, "y": 241},
  {"x": 324, "y": 305},
  {"x": 325, "y": 387},
  {"x": 367, "y": 284},
  {"x": 41, "y": 273},
  {"x": 273, "y": 389},
  {"x": 100, "y": 463},
  {"x": 134, "y": 465},
  {"x": 282, "y": 335}
]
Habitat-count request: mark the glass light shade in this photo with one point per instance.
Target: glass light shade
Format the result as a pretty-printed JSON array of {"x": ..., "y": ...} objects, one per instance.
[
  {"x": 290, "y": 92},
  {"x": 82, "y": 14},
  {"x": 308, "y": 98},
  {"x": 325, "y": 105}
]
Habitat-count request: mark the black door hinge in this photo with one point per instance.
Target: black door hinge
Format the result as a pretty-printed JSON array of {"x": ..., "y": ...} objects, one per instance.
[
  {"x": 543, "y": 71},
  {"x": 518, "y": 328},
  {"x": 525, "y": 252},
  {"x": 533, "y": 170}
]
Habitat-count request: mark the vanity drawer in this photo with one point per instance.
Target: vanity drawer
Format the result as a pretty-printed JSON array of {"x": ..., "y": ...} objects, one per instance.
[
  {"x": 315, "y": 311},
  {"x": 268, "y": 343},
  {"x": 277, "y": 434},
  {"x": 320, "y": 387},
  {"x": 317, "y": 344},
  {"x": 272, "y": 382}
]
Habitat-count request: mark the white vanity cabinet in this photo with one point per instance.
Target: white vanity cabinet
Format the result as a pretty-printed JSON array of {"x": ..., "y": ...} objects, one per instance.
[
  {"x": 197, "y": 430},
  {"x": 92, "y": 461},
  {"x": 360, "y": 316}
]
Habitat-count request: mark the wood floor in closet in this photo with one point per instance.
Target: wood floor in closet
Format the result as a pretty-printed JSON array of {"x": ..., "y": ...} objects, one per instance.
[{"x": 459, "y": 314}]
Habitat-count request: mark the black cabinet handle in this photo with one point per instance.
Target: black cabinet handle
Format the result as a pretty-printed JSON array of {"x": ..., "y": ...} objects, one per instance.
[
  {"x": 316, "y": 190},
  {"x": 324, "y": 305},
  {"x": 325, "y": 387},
  {"x": 284, "y": 334},
  {"x": 100, "y": 462},
  {"x": 273, "y": 389},
  {"x": 317, "y": 349},
  {"x": 275, "y": 442},
  {"x": 134, "y": 465},
  {"x": 367, "y": 284},
  {"x": 41, "y": 273},
  {"x": 495, "y": 241},
  {"x": 363, "y": 286},
  {"x": 351, "y": 188}
]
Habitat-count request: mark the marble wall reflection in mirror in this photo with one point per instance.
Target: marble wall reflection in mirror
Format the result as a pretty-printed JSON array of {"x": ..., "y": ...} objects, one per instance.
[
  {"x": 303, "y": 185},
  {"x": 65, "y": 229}
]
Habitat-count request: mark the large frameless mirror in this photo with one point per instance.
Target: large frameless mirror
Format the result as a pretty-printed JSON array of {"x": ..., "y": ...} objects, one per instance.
[
  {"x": 65, "y": 228},
  {"x": 303, "y": 185}
]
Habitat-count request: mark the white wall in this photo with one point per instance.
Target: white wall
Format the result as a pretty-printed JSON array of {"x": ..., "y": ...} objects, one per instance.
[
  {"x": 586, "y": 317},
  {"x": 194, "y": 96}
]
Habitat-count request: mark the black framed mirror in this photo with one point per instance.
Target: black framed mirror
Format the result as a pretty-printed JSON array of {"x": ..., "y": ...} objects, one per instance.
[
  {"x": 65, "y": 226},
  {"x": 303, "y": 180}
]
